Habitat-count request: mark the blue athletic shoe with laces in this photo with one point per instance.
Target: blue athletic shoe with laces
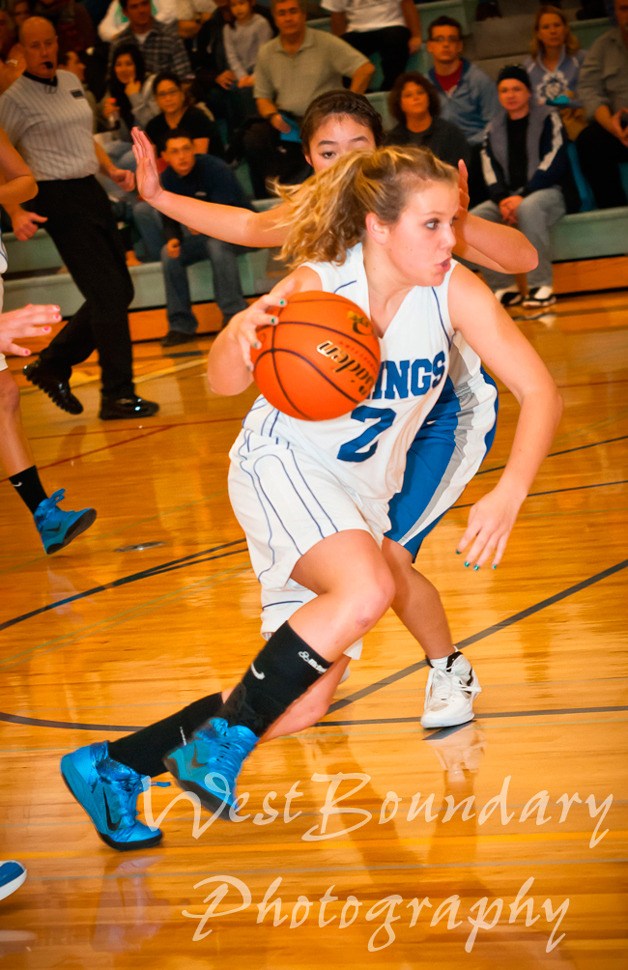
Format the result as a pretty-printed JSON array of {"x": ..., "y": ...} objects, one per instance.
[
  {"x": 58, "y": 528},
  {"x": 108, "y": 791},
  {"x": 210, "y": 764},
  {"x": 12, "y": 875}
]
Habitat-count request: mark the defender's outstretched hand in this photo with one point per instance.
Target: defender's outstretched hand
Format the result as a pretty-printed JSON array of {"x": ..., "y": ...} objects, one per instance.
[{"x": 146, "y": 174}]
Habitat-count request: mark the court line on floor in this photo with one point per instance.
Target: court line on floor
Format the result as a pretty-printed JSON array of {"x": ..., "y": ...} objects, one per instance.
[
  {"x": 193, "y": 559},
  {"x": 399, "y": 675},
  {"x": 563, "y": 451},
  {"x": 190, "y": 560},
  {"x": 358, "y": 722},
  {"x": 483, "y": 634}
]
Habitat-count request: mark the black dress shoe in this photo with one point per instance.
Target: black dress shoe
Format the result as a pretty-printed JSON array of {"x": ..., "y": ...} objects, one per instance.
[
  {"x": 51, "y": 384},
  {"x": 175, "y": 337},
  {"x": 126, "y": 407}
]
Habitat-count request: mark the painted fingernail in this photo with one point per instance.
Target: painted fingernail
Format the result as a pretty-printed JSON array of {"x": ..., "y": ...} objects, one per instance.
[
  {"x": 282, "y": 302},
  {"x": 467, "y": 564},
  {"x": 495, "y": 566},
  {"x": 475, "y": 568},
  {"x": 458, "y": 552},
  {"x": 273, "y": 319}
]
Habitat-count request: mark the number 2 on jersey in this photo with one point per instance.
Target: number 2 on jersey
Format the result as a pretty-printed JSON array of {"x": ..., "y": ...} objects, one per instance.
[{"x": 358, "y": 448}]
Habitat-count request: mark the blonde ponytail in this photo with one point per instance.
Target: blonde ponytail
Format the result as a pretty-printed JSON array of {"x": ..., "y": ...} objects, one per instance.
[{"x": 325, "y": 217}]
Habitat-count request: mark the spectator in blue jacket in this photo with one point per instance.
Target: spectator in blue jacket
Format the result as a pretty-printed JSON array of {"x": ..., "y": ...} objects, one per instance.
[
  {"x": 525, "y": 165},
  {"x": 468, "y": 96},
  {"x": 200, "y": 177}
]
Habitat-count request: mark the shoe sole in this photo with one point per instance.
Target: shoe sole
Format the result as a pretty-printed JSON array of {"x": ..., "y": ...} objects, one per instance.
[
  {"x": 104, "y": 416},
  {"x": 12, "y": 886},
  {"x": 81, "y": 525},
  {"x": 119, "y": 846},
  {"x": 75, "y": 409},
  {"x": 216, "y": 806},
  {"x": 455, "y": 722},
  {"x": 511, "y": 303}
]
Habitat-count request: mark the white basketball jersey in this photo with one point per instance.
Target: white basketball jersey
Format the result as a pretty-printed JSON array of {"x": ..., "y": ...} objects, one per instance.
[{"x": 366, "y": 449}]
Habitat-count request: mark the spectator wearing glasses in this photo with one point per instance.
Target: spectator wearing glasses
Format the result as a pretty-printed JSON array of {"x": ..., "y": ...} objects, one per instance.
[
  {"x": 177, "y": 111},
  {"x": 468, "y": 96}
]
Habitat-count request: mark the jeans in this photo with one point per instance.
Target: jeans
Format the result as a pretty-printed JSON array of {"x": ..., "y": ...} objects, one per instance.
[
  {"x": 600, "y": 155},
  {"x": 121, "y": 153},
  {"x": 150, "y": 228},
  {"x": 535, "y": 217},
  {"x": 227, "y": 289}
]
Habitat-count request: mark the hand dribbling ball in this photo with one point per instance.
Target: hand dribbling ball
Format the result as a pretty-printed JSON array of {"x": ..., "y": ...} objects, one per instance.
[{"x": 319, "y": 360}]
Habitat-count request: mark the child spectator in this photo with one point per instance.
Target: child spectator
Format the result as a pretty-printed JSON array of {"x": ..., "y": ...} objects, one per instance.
[{"x": 243, "y": 39}]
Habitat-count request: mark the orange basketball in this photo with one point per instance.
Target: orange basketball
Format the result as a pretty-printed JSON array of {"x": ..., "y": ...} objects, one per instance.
[{"x": 319, "y": 360}]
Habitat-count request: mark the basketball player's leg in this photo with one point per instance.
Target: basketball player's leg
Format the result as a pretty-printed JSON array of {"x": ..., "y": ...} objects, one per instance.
[
  {"x": 443, "y": 458},
  {"x": 56, "y": 527},
  {"x": 348, "y": 603},
  {"x": 107, "y": 779}
]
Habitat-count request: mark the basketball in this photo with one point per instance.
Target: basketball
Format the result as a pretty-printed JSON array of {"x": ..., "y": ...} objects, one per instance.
[{"x": 319, "y": 360}]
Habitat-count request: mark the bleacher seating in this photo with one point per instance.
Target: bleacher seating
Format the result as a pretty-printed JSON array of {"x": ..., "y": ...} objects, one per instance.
[{"x": 34, "y": 267}]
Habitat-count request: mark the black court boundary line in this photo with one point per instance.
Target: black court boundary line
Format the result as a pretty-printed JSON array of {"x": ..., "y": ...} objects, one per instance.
[
  {"x": 204, "y": 555},
  {"x": 392, "y": 678},
  {"x": 483, "y": 634},
  {"x": 563, "y": 451},
  {"x": 146, "y": 433},
  {"x": 554, "y": 491},
  {"x": 441, "y": 732},
  {"x": 194, "y": 558},
  {"x": 478, "y": 720}
]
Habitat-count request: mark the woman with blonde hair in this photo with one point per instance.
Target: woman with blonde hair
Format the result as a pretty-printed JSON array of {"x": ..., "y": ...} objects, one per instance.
[
  {"x": 554, "y": 66},
  {"x": 312, "y": 497},
  {"x": 444, "y": 455}
]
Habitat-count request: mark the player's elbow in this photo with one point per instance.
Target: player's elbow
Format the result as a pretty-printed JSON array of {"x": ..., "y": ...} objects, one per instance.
[
  {"x": 226, "y": 385},
  {"x": 30, "y": 189},
  {"x": 529, "y": 258}
]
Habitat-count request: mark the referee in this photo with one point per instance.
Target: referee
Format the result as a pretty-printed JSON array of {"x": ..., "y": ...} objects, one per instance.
[{"x": 46, "y": 114}]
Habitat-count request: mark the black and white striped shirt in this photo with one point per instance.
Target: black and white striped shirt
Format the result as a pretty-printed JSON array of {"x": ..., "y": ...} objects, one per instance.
[{"x": 51, "y": 126}]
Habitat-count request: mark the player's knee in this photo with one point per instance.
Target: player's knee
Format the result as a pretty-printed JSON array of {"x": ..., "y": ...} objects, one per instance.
[{"x": 373, "y": 597}]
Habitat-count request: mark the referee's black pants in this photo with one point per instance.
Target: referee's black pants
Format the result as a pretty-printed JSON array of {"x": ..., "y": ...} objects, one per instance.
[{"x": 84, "y": 231}]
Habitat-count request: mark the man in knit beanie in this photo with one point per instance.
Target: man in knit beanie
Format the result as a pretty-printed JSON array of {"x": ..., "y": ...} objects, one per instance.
[{"x": 524, "y": 163}]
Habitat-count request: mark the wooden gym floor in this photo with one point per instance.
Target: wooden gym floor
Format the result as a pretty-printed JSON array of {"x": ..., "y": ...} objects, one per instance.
[{"x": 513, "y": 855}]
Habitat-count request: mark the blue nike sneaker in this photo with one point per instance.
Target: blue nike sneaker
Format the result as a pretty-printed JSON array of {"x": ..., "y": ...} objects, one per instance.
[
  {"x": 12, "y": 875},
  {"x": 108, "y": 791},
  {"x": 210, "y": 763},
  {"x": 58, "y": 528}
]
